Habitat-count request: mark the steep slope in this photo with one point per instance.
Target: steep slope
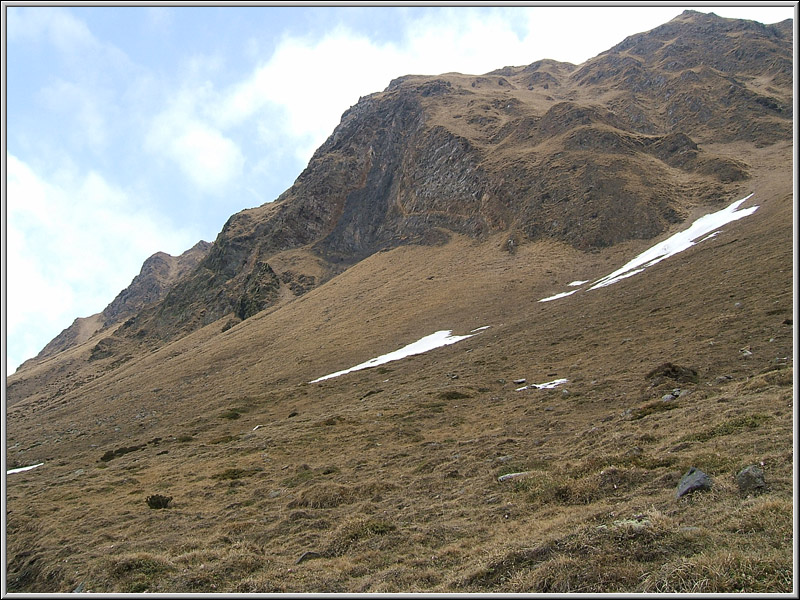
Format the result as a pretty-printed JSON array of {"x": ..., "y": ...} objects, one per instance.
[
  {"x": 619, "y": 148},
  {"x": 158, "y": 275},
  {"x": 454, "y": 202},
  {"x": 390, "y": 474}
]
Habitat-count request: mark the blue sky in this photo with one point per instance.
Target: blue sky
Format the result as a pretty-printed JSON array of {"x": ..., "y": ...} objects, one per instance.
[{"x": 132, "y": 130}]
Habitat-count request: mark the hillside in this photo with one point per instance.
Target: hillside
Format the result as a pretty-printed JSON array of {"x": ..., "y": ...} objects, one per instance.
[{"x": 454, "y": 202}]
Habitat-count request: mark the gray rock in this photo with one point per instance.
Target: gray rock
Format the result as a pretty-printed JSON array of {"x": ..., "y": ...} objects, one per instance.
[
  {"x": 751, "y": 479},
  {"x": 689, "y": 529},
  {"x": 510, "y": 476},
  {"x": 668, "y": 398},
  {"x": 693, "y": 481},
  {"x": 308, "y": 556}
]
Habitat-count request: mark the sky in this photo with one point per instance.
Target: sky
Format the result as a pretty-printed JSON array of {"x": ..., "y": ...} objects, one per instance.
[{"x": 138, "y": 129}]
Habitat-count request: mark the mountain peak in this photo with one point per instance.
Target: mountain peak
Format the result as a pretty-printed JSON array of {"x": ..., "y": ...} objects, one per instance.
[{"x": 159, "y": 273}]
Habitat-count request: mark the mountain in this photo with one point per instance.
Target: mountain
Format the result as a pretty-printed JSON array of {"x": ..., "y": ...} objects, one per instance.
[
  {"x": 535, "y": 152},
  {"x": 451, "y": 203},
  {"x": 159, "y": 274}
]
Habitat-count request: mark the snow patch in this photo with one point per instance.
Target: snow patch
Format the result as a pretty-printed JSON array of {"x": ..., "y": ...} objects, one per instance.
[
  {"x": 21, "y": 469},
  {"x": 679, "y": 242},
  {"x": 577, "y": 283},
  {"x": 702, "y": 229},
  {"x": 429, "y": 342},
  {"x": 543, "y": 386},
  {"x": 557, "y": 296}
]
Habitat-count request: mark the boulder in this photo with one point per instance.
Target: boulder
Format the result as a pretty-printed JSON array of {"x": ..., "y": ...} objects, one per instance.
[
  {"x": 751, "y": 479},
  {"x": 693, "y": 481}
]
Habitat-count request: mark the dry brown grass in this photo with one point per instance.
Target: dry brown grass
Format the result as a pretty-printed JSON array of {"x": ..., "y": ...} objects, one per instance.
[{"x": 390, "y": 475}]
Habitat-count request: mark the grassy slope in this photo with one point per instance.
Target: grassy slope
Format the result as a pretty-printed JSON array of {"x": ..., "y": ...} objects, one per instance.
[{"x": 390, "y": 473}]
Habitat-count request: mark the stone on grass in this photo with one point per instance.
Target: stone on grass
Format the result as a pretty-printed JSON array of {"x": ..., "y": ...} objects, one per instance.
[
  {"x": 309, "y": 555},
  {"x": 693, "y": 481},
  {"x": 510, "y": 476},
  {"x": 751, "y": 479}
]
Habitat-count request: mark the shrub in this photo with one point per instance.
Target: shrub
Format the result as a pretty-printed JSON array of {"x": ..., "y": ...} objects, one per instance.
[{"x": 158, "y": 501}]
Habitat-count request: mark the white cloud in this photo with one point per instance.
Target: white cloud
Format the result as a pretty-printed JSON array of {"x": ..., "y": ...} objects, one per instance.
[
  {"x": 51, "y": 23},
  {"x": 79, "y": 105},
  {"x": 308, "y": 83},
  {"x": 208, "y": 158},
  {"x": 73, "y": 242}
]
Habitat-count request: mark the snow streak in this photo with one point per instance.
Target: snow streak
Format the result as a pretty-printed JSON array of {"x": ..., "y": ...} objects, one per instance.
[
  {"x": 703, "y": 229},
  {"x": 429, "y": 342},
  {"x": 543, "y": 386},
  {"x": 21, "y": 469}
]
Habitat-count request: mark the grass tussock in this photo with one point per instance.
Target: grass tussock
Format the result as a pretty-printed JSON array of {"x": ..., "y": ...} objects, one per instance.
[
  {"x": 723, "y": 571},
  {"x": 453, "y": 395},
  {"x": 236, "y": 473},
  {"x": 764, "y": 515},
  {"x": 355, "y": 532},
  {"x": 138, "y": 572},
  {"x": 608, "y": 557},
  {"x": 233, "y": 413},
  {"x": 325, "y": 495},
  {"x": 729, "y": 427}
]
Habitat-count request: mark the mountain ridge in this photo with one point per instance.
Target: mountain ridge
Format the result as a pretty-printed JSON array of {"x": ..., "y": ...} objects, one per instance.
[
  {"x": 159, "y": 273},
  {"x": 506, "y": 151}
]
